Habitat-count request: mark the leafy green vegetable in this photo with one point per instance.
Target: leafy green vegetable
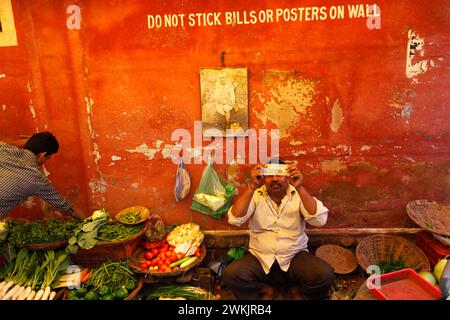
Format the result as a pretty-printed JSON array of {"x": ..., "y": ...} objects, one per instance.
[
  {"x": 178, "y": 291},
  {"x": 390, "y": 265},
  {"x": 85, "y": 236},
  {"x": 236, "y": 253},
  {"x": 20, "y": 234},
  {"x": 121, "y": 293},
  {"x": 91, "y": 295}
]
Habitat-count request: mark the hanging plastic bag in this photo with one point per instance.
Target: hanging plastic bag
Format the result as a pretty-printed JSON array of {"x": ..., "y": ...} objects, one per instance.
[
  {"x": 214, "y": 195},
  {"x": 182, "y": 182}
]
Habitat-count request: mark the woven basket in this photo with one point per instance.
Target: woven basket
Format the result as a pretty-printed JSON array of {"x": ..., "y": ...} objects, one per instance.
[
  {"x": 430, "y": 215},
  {"x": 113, "y": 250},
  {"x": 342, "y": 260},
  {"x": 46, "y": 246},
  {"x": 374, "y": 249},
  {"x": 143, "y": 215},
  {"x": 139, "y": 256}
]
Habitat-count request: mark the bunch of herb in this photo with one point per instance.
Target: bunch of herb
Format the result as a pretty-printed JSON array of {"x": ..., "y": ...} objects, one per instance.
[
  {"x": 85, "y": 235},
  {"x": 391, "y": 265},
  {"x": 115, "y": 231},
  {"x": 20, "y": 234}
]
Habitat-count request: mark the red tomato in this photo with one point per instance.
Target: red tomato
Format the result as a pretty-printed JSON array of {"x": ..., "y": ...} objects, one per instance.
[
  {"x": 148, "y": 255},
  {"x": 179, "y": 255},
  {"x": 155, "y": 252},
  {"x": 217, "y": 287},
  {"x": 173, "y": 259},
  {"x": 144, "y": 265}
]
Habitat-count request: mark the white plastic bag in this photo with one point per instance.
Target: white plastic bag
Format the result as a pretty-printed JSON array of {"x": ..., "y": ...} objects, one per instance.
[{"x": 182, "y": 182}]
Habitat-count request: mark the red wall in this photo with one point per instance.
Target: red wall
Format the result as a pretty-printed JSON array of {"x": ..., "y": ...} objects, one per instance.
[{"x": 368, "y": 138}]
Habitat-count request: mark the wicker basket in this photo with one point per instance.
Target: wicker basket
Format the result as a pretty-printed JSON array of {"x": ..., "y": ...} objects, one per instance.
[
  {"x": 46, "y": 246},
  {"x": 139, "y": 256},
  {"x": 374, "y": 249},
  {"x": 430, "y": 215},
  {"x": 143, "y": 214},
  {"x": 113, "y": 250},
  {"x": 342, "y": 260}
]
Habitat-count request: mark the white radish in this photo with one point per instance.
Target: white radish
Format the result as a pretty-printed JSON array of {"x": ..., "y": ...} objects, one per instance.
[
  {"x": 6, "y": 288},
  {"x": 52, "y": 295},
  {"x": 11, "y": 292},
  {"x": 39, "y": 295},
  {"x": 2, "y": 284},
  {"x": 24, "y": 294},
  {"x": 18, "y": 293},
  {"x": 46, "y": 293},
  {"x": 31, "y": 295}
]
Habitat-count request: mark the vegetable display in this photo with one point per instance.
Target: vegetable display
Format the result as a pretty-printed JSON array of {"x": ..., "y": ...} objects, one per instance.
[
  {"x": 186, "y": 238},
  {"x": 185, "y": 292},
  {"x": 85, "y": 236},
  {"x": 33, "y": 275},
  {"x": 112, "y": 280},
  {"x": 117, "y": 231},
  {"x": 390, "y": 265},
  {"x": 21, "y": 234}
]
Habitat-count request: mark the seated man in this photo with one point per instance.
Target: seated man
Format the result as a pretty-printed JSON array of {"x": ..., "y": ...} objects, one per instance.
[
  {"x": 277, "y": 208},
  {"x": 21, "y": 175}
]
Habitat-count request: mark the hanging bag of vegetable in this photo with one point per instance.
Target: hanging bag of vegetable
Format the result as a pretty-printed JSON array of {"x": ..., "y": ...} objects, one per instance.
[{"x": 214, "y": 195}]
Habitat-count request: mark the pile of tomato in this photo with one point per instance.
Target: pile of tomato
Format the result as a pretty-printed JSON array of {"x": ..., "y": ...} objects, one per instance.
[{"x": 158, "y": 256}]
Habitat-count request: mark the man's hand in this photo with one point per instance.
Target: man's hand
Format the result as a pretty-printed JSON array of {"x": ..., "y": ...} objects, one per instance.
[
  {"x": 257, "y": 177},
  {"x": 295, "y": 176}
]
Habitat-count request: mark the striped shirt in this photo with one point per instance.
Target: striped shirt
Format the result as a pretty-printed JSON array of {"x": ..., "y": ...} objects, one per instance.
[
  {"x": 21, "y": 177},
  {"x": 278, "y": 232}
]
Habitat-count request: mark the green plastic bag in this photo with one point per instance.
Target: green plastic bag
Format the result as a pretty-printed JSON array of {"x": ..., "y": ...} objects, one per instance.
[{"x": 214, "y": 195}]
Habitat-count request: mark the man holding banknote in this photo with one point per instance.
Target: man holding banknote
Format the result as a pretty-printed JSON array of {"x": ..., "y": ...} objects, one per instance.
[{"x": 277, "y": 205}]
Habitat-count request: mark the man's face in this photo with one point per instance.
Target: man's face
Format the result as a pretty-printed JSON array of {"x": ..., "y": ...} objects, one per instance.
[{"x": 276, "y": 185}]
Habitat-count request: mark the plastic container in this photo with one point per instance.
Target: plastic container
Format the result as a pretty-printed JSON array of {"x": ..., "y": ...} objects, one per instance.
[
  {"x": 405, "y": 284},
  {"x": 433, "y": 248}
]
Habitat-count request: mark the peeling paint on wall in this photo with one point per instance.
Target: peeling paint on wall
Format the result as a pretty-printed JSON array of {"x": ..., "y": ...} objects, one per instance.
[
  {"x": 116, "y": 158},
  {"x": 33, "y": 112},
  {"x": 333, "y": 167},
  {"x": 288, "y": 100},
  {"x": 4, "y": 107},
  {"x": 135, "y": 185},
  {"x": 165, "y": 151},
  {"x": 365, "y": 148},
  {"x": 413, "y": 49},
  {"x": 96, "y": 185},
  {"x": 337, "y": 116},
  {"x": 295, "y": 143},
  {"x": 2, "y": 75}
]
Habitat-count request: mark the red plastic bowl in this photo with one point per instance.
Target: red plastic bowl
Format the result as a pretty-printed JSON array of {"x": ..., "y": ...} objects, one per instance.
[{"x": 405, "y": 284}]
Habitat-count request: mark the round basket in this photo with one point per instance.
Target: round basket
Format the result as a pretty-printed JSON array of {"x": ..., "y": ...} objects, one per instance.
[
  {"x": 374, "y": 249},
  {"x": 430, "y": 215},
  {"x": 443, "y": 239},
  {"x": 342, "y": 260},
  {"x": 143, "y": 214},
  {"x": 46, "y": 246},
  {"x": 139, "y": 256}
]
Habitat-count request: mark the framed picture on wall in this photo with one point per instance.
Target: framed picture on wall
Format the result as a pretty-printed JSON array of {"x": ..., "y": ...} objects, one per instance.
[{"x": 224, "y": 101}]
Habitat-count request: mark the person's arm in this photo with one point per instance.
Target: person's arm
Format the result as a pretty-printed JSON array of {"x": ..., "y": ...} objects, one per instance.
[
  {"x": 242, "y": 202},
  {"x": 296, "y": 180},
  {"x": 47, "y": 192}
]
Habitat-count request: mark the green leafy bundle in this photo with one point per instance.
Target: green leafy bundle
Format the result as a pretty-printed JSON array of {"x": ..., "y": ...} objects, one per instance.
[
  {"x": 115, "y": 231},
  {"x": 85, "y": 236},
  {"x": 20, "y": 234}
]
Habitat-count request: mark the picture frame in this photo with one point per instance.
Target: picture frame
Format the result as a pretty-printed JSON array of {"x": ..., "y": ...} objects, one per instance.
[{"x": 224, "y": 101}]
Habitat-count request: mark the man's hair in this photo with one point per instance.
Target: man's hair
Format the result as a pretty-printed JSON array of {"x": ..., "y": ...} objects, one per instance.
[
  {"x": 42, "y": 142},
  {"x": 276, "y": 160}
]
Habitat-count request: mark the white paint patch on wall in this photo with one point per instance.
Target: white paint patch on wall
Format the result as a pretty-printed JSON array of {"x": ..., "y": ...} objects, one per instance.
[
  {"x": 2, "y": 75},
  {"x": 365, "y": 148},
  {"x": 414, "y": 49},
  {"x": 295, "y": 143},
  {"x": 33, "y": 112},
  {"x": 4, "y": 107},
  {"x": 135, "y": 185},
  {"x": 116, "y": 158},
  {"x": 165, "y": 151},
  {"x": 337, "y": 116}
]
